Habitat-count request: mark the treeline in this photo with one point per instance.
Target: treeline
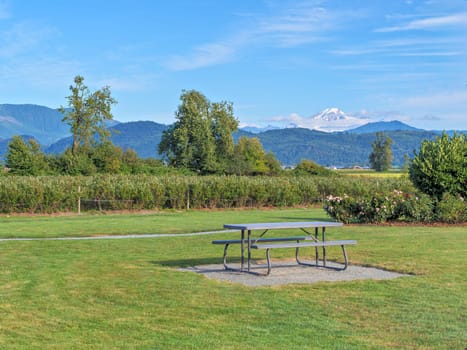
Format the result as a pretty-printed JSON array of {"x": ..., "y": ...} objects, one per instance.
[{"x": 52, "y": 194}]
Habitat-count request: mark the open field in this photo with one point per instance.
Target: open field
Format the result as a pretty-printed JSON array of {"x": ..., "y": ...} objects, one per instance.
[
  {"x": 395, "y": 173},
  {"x": 129, "y": 294}
]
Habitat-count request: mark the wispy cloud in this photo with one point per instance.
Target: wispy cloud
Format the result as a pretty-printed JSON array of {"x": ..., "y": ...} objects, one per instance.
[
  {"x": 429, "y": 23},
  {"x": 40, "y": 72},
  {"x": 125, "y": 83},
  {"x": 297, "y": 25},
  {"x": 437, "y": 100},
  {"x": 23, "y": 37},
  {"x": 4, "y": 11},
  {"x": 203, "y": 56}
]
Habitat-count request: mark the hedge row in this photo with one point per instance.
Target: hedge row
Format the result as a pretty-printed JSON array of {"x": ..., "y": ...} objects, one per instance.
[
  {"x": 396, "y": 206},
  {"x": 51, "y": 194}
]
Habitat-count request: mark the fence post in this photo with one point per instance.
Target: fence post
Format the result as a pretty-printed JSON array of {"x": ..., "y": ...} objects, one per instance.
[
  {"x": 188, "y": 198},
  {"x": 79, "y": 200}
]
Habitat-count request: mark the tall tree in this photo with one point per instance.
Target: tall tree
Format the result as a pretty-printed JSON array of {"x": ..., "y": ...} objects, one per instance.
[
  {"x": 381, "y": 156},
  {"x": 87, "y": 113},
  {"x": 25, "y": 158},
  {"x": 201, "y": 137}
]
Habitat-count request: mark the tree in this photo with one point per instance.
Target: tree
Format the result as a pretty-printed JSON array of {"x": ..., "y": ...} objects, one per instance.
[
  {"x": 201, "y": 138},
  {"x": 440, "y": 166},
  {"x": 251, "y": 159},
  {"x": 87, "y": 113},
  {"x": 223, "y": 124},
  {"x": 381, "y": 156},
  {"x": 308, "y": 167},
  {"x": 25, "y": 158}
]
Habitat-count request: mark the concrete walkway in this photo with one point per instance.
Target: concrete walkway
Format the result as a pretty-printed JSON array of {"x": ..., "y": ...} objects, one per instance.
[{"x": 156, "y": 235}]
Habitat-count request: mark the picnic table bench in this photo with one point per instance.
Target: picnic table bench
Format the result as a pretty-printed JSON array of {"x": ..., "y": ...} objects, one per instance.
[
  {"x": 228, "y": 242},
  {"x": 297, "y": 242}
]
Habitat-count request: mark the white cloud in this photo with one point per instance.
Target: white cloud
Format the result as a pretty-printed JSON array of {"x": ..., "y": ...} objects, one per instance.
[{"x": 429, "y": 23}]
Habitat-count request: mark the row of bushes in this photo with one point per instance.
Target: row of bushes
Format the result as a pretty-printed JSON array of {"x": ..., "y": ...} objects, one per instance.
[
  {"x": 396, "y": 206},
  {"x": 51, "y": 194}
]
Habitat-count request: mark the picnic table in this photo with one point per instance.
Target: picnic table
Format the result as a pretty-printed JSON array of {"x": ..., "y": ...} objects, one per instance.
[{"x": 310, "y": 239}]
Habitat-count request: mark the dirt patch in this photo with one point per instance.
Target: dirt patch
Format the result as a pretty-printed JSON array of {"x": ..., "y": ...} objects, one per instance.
[{"x": 290, "y": 273}]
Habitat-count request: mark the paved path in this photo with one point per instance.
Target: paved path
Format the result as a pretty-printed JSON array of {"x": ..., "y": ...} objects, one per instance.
[{"x": 157, "y": 235}]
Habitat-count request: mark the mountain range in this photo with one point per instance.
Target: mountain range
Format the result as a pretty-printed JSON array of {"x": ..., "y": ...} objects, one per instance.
[{"x": 347, "y": 147}]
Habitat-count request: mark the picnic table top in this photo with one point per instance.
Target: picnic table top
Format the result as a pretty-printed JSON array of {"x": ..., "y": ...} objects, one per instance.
[{"x": 282, "y": 225}]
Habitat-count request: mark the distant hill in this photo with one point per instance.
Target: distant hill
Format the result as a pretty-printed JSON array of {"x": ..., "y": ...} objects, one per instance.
[
  {"x": 290, "y": 145},
  {"x": 382, "y": 126},
  {"x": 42, "y": 123},
  {"x": 142, "y": 137},
  {"x": 336, "y": 149}
]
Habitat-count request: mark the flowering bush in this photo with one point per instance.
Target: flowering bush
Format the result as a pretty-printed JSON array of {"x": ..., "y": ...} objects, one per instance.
[
  {"x": 379, "y": 208},
  {"x": 451, "y": 209}
]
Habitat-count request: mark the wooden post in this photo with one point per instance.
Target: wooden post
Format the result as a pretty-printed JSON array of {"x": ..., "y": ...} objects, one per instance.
[
  {"x": 188, "y": 199},
  {"x": 79, "y": 200}
]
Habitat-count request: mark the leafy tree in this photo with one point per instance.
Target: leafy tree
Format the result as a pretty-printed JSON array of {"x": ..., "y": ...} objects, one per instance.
[
  {"x": 251, "y": 159},
  {"x": 223, "y": 124},
  {"x": 201, "y": 138},
  {"x": 25, "y": 158},
  {"x": 80, "y": 163},
  {"x": 381, "y": 156},
  {"x": 87, "y": 113},
  {"x": 107, "y": 158},
  {"x": 440, "y": 166}
]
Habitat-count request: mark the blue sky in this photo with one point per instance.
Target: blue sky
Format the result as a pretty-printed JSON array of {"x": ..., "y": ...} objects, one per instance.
[{"x": 277, "y": 60}]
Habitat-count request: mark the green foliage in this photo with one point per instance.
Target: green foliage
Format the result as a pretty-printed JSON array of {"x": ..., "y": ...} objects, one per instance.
[
  {"x": 172, "y": 191},
  {"x": 249, "y": 158},
  {"x": 451, "y": 209},
  {"x": 201, "y": 138},
  {"x": 441, "y": 166},
  {"x": 381, "y": 156},
  {"x": 25, "y": 158},
  {"x": 88, "y": 113},
  {"x": 380, "y": 208},
  {"x": 308, "y": 167}
]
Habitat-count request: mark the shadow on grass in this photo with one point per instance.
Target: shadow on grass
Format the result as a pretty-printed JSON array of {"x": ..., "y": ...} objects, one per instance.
[
  {"x": 190, "y": 262},
  {"x": 308, "y": 218}
]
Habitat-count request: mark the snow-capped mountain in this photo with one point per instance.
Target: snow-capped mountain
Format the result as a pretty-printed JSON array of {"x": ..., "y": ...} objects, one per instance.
[
  {"x": 254, "y": 129},
  {"x": 333, "y": 119},
  {"x": 330, "y": 114}
]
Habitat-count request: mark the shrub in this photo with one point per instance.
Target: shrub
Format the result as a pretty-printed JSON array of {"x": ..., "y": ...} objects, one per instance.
[
  {"x": 451, "y": 209},
  {"x": 380, "y": 208},
  {"x": 441, "y": 166}
]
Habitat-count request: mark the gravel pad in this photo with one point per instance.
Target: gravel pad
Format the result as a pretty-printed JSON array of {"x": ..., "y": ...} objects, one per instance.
[{"x": 288, "y": 273}]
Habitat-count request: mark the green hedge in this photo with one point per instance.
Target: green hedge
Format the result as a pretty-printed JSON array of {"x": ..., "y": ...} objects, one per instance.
[{"x": 51, "y": 194}]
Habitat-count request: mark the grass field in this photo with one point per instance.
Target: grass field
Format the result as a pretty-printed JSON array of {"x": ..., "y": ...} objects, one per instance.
[
  {"x": 371, "y": 173},
  {"x": 128, "y": 293}
]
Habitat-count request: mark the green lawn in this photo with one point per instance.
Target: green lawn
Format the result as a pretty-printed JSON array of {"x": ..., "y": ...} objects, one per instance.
[{"x": 128, "y": 294}]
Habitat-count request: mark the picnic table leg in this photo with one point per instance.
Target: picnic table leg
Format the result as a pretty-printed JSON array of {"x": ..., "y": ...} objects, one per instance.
[
  {"x": 249, "y": 249},
  {"x": 316, "y": 248},
  {"x": 242, "y": 250},
  {"x": 324, "y": 248}
]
